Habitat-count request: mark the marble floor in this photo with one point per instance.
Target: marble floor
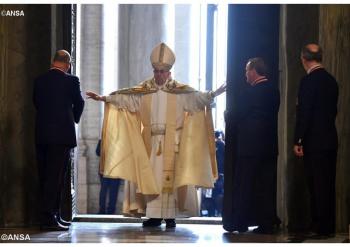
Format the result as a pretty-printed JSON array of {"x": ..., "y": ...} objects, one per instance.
[{"x": 202, "y": 234}]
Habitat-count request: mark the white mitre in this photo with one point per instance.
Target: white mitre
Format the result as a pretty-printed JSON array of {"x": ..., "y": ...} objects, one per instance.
[{"x": 162, "y": 57}]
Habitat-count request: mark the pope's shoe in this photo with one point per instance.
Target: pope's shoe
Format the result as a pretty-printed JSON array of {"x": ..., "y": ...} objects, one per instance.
[
  {"x": 170, "y": 223},
  {"x": 152, "y": 222}
]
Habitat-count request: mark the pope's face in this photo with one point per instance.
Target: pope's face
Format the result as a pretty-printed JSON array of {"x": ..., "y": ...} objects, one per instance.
[{"x": 161, "y": 76}]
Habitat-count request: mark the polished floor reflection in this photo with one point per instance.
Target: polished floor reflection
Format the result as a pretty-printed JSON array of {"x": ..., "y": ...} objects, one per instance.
[{"x": 87, "y": 232}]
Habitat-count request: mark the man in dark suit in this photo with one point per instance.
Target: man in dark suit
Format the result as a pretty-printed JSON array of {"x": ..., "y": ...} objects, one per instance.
[
  {"x": 255, "y": 169},
  {"x": 316, "y": 137},
  {"x": 59, "y": 105}
]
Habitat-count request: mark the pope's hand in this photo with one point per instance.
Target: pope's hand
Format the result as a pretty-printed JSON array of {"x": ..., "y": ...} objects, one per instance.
[
  {"x": 92, "y": 95},
  {"x": 220, "y": 90}
]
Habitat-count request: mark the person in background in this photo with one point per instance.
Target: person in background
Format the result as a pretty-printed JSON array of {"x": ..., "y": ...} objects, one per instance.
[
  {"x": 109, "y": 186},
  {"x": 218, "y": 190},
  {"x": 211, "y": 203},
  {"x": 316, "y": 139}
]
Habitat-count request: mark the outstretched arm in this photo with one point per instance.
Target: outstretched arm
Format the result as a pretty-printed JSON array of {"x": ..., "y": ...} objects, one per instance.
[
  {"x": 131, "y": 102},
  {"x": 219, "y": 90},
  {"x": 95, "y": 96},
  {"x": 198, "y": 100}
]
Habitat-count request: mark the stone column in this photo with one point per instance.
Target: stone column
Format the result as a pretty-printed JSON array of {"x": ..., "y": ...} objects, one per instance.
[
  {"x": 292, "y": 199},
  {"x": 182, "y": 42},
  {"x": 335, "y": 40},
  {"x": 141, "y": 28},
  {"x": 282, "y": 121},
  {"x": 91, "y": 64}
]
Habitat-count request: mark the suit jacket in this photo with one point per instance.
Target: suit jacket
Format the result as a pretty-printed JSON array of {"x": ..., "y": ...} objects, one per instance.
[
  {"x": 59, "y": 104},
  {"x": 255, "y": 121},
  {"x": 220, "y": 155},
  {"x": 316, "y": 112}
]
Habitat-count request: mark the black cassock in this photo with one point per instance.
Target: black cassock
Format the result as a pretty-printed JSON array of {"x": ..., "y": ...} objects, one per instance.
[{"x": 251, "y": 160}]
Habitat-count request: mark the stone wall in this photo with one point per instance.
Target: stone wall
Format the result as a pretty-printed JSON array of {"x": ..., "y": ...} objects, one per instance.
[
  {"x": 25, "y": 45},
  {"x": 335, "y": 38}
]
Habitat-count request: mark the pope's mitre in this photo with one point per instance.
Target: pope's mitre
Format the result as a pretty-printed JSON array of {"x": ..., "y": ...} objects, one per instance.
[{"x": 162, "y": 57}]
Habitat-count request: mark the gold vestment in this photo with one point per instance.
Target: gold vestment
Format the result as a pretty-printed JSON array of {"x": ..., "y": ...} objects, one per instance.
[{"x": 126, "y": 145}]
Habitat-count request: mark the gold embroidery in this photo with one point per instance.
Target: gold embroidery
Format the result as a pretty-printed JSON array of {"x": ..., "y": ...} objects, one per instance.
[
  {"x": 159, "y": 152},
  {"x": 161, "y": 53}
]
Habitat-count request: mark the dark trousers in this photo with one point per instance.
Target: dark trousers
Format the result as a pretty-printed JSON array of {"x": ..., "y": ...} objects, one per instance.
[
  {"x": 109, "y": 186},
  {"x": 51, "y": 160},
  {"x": 320, "y": 171},
  {"x": 254, "y": 192}
]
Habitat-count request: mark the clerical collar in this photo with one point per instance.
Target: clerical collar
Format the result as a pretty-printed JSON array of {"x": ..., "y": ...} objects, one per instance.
[
  {"x": 57, "y": 68},
  {"x": 314, "y": 67},
  {"x": 159, "y": 86},
  {"x": 169, "y": 84},
  {"x": 259, "y": 80}
]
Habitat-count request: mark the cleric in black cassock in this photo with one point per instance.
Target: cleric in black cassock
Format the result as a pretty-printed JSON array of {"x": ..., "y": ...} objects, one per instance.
[{"x": 252, "y": 199}]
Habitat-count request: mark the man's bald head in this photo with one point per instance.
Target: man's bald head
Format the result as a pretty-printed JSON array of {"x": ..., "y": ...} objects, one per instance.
[
  {"x": 61, "y": 60},
  {"x": 312, "y": 52},
  {"x": 62, "y": 56}
]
